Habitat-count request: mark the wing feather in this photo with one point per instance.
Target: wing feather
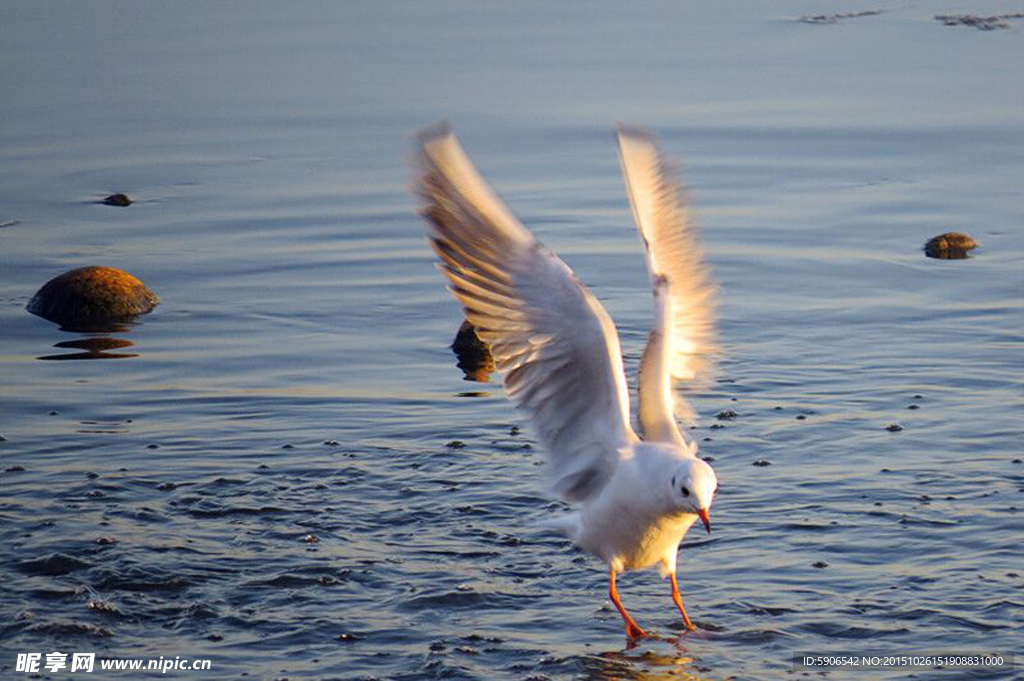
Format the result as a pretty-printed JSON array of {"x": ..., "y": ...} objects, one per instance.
[
  {"x": 682, "y": 345},
  {"x": 553, "y": 341}
]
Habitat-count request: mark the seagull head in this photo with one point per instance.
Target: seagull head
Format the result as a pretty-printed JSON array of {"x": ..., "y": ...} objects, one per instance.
[{"x": 693, "y": 488}]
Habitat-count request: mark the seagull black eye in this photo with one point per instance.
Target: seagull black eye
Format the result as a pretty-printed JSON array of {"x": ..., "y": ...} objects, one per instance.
[{"x": 685, "y": 491}]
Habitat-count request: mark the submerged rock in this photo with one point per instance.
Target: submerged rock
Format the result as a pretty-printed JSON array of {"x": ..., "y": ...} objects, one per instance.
[
  {"x": 89, "y": 296},
  {"x": 120, "y": 200},
  {"x": 472, "y": 354},
  {"x": 981, "y": 23},
  {"x": 949, "y": 246}
]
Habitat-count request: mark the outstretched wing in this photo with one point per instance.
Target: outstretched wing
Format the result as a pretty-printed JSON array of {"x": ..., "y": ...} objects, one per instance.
[
  {"x": 681, "y": 346},
  {"x": 553, "y": 341}
]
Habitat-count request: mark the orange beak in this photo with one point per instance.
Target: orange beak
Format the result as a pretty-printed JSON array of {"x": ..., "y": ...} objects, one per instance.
[{"x": 705, "y": 518}]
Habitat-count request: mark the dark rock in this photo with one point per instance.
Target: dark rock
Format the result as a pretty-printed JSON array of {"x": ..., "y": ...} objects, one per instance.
[
  {"x": 455, "y": 444},
  {"x": 820, "y": 564},
  {"x": 472, "y": 354},
  {"x": 949, "y": 246},
  {"x": 762, "y": 463},
  {"x": 894, "y": 427},
  {"x": 92, "y": 296},
  {"x": 726, "y": 415},
  {"x": 981, "y": 23},
  {"x": 120, "y": 200},
  {"x": 835, "y": 18}
]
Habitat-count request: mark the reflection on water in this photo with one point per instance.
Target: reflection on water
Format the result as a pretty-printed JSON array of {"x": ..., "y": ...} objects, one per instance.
[
  {"x": 95, "y": 342},
  {"x": 94, "y": 347}
]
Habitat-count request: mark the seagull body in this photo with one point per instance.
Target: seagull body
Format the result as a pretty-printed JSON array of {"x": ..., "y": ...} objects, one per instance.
[{"x": 559, "y": 353}]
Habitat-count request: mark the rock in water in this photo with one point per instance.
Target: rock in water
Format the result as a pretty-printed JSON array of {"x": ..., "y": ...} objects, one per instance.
[
  {"x": 121, "y": 200},
  {"x": 473, "y": 355},
  {"x": 949, "y": 246},
  {"x": 91, "y": 295}
]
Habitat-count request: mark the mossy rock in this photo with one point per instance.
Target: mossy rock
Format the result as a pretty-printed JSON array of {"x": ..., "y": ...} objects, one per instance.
[
  {"x": 949, "y": 246},
  {"x": 91, "y": 295}
]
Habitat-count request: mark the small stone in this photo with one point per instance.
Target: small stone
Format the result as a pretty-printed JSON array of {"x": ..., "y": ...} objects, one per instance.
[
  {"x": 1017, "y": 461},
  {"x": 762, "y": 463},
  {"x": 949, "y": 246},
  {"x": 120, "y": 200},
  {"x": 514, "y": 430},
  {"x": 801, "y": 417},
  {"x": 14, "y": 469},
  {"x": 167, "y": 487},
  {"x": 726, "y": 415},
  {"x": 152, "y": 445},
  {"x": 91, "y": 475},
  {"x": 92, "y": 296},
  {"x": 913, "y": 406},
  {"x": 709, "y": 459},
  {"x": 215, "y": 638},
  {"x": 894, "y": 427},
  {"x": 820, "y": 565},
  {"x": 332, "y": 443},
  {"x": 455, "y": 444},
  {"x": 286, "y": 446}
]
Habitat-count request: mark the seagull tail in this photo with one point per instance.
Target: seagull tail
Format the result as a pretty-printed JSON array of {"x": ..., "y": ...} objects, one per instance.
[{"x": 567, "y": 524}]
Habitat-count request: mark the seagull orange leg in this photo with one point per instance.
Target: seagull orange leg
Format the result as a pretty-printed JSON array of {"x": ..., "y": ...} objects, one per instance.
[
  {"x": 679, "y": 602},
  {"x": 633, "y": 629}
]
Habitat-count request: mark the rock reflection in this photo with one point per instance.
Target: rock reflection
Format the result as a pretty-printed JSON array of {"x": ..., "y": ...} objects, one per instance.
[
  {"x": 96, "y": 345},
  {"x": 472, "y": 355}
]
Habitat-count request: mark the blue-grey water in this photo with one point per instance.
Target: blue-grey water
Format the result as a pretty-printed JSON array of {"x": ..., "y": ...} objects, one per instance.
[{"x": 264, "y": 477}]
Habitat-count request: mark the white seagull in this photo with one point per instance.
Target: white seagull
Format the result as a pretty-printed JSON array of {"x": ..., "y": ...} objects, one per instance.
[{"x": 559, "y": 353}]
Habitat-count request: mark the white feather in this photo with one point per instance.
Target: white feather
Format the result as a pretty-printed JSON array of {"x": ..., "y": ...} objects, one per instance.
[
  {"x": 553, "y": 341},
  {"x": 681, "y": 346}
]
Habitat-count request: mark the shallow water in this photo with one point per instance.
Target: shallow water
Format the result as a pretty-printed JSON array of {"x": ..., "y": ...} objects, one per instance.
[{"x": 264, "y": 477}]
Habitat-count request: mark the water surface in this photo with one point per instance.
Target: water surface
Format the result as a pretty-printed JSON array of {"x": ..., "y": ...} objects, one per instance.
[{"x": 267, "y": 479}]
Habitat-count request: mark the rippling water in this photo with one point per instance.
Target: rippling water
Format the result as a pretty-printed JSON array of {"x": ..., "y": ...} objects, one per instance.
[{"x": 280, "y": 469}]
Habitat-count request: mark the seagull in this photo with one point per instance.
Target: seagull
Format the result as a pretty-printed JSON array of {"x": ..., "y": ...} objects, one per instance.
[{"x": 558, "y": 351}]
